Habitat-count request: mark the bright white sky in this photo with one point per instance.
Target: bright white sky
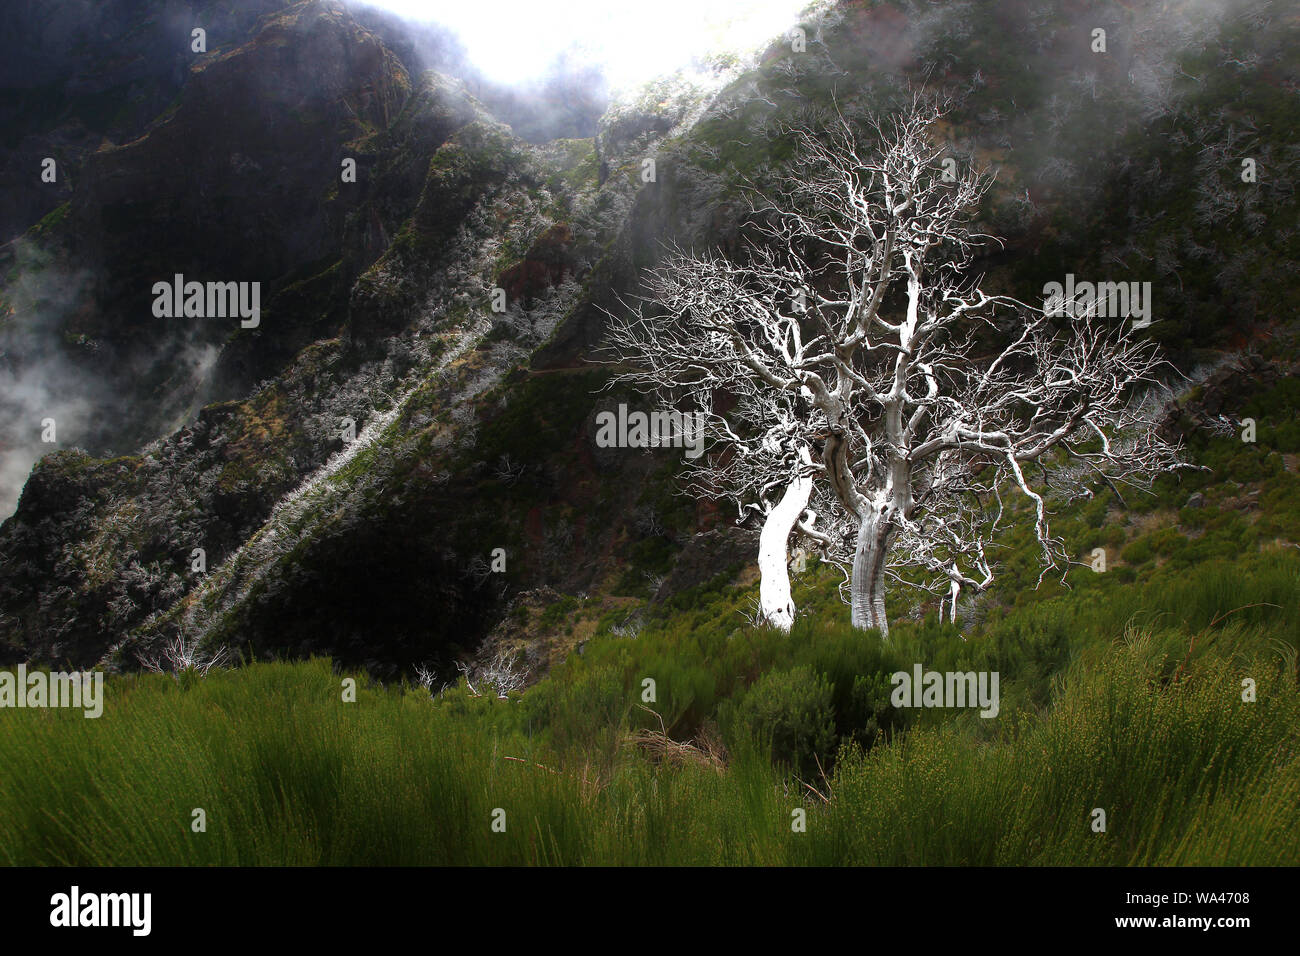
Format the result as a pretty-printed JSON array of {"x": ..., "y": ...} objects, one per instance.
[{"x": 631, "y": 40}]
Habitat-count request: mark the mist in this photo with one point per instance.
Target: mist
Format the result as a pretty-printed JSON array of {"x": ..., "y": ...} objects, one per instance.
[
  {"x": 37, "y": 382},
  {"x": 516, "y": 42}
]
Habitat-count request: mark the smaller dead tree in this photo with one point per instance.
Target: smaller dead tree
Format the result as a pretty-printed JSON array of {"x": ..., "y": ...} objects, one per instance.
[
  {"x": 499, "y": 676},
  {"x": 182, "y": 654}
]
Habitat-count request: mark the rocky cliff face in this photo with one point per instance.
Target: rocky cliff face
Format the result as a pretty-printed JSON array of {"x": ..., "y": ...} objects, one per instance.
[
  {"x": 238, "y": 183},
  {"x": 373, "y": 289},
  {"x": 346, "y": 477},
  {"x": 76, "y": 74}
]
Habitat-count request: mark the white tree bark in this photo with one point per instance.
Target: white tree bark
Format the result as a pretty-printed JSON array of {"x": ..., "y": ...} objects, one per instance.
[
  {"x": 773, "y": 557},
  {"x": 867, "y": 584}
]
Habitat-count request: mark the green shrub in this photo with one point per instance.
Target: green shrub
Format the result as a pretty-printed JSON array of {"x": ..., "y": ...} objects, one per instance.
[
  {"x": 790, "y": 711},
  {"x": 1139, "y": 552}
]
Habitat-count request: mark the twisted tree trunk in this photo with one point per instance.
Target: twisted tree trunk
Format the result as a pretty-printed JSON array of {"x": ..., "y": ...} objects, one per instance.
[
  {"x": 773, "y": 557},
  {"x": 867, "y": 584}
]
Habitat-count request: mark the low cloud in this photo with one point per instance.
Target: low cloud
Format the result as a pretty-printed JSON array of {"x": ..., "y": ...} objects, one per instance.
[{"x": 37, "y": 381}]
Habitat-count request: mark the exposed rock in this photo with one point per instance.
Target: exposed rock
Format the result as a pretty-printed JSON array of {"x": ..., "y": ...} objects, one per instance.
[
  {"x": 545, "y": 265},
  {"x": 239, "y": 182}
]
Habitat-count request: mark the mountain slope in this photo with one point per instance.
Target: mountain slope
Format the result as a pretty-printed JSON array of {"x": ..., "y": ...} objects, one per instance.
[{"x": 478, "y": 427}]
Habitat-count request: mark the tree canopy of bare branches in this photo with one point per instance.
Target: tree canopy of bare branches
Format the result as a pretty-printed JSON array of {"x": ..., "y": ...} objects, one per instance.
[{"x": 863, "y": 358}]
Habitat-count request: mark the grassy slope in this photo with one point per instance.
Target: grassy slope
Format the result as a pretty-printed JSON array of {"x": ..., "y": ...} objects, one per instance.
[
  {"x": 1123, "y": 693},
  {"x": 286, "y": 773}
]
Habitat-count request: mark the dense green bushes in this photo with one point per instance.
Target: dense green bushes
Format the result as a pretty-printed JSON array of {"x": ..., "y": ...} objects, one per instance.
[
  {"x": 790, "y": 711},
  {"x": 1124, "y": 699},
  {"x": 1186, "y": 772}
]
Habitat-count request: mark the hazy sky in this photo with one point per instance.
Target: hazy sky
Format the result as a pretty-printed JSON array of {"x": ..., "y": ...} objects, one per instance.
[{"x": 632, "y": 40}]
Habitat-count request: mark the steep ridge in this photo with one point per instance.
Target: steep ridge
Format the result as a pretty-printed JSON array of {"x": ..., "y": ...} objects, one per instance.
[
  {"x": 297, "y": 515},
  {"x": 384, "y": 567},
  {"x": 75, "y": 75},
  {"x": 238, "y": 180}
]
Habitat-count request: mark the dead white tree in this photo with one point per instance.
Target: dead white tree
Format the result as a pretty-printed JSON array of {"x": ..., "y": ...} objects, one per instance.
[
  {"x": 856, "y": 331},
  {"x": 182, "y": 654},
  {"x": 500, "y": 675}
]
